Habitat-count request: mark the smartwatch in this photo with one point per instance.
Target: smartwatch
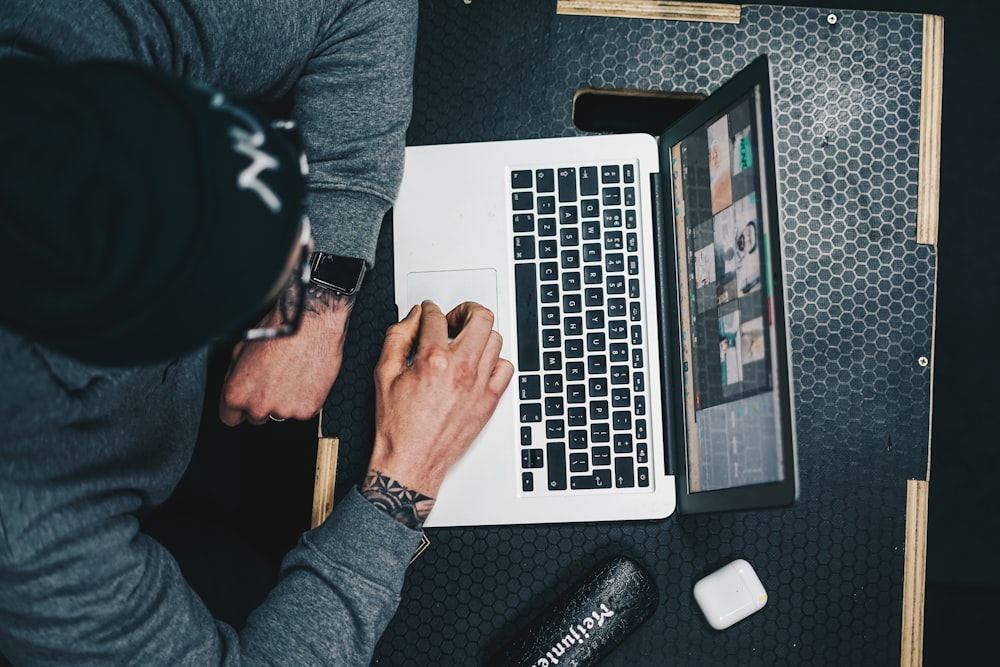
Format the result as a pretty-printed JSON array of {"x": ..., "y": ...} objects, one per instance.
[{"x": 337, "y": 273}]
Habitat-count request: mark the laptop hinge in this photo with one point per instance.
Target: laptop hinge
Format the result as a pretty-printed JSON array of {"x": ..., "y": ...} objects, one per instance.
[{"x": 666, "y": 303}]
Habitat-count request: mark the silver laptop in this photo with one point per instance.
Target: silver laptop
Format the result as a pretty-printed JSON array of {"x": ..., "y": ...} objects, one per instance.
[{"x": 569, "y": 242}]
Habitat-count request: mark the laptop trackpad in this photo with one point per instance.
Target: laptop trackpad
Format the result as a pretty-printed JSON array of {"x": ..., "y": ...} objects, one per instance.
[{"x": 449, "y": 288}]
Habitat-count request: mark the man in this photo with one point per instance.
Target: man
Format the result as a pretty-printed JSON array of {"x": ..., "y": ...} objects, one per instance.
[
  {"x": 347, "y": 66},
  {"x": 99, "y": 408}
]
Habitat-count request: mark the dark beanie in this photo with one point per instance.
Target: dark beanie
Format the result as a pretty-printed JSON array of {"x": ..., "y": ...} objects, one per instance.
[{"x": 140, "y": 216}]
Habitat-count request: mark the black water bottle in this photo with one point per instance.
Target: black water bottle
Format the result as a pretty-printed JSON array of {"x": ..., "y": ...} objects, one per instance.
[{"x": 588, "y": 622}]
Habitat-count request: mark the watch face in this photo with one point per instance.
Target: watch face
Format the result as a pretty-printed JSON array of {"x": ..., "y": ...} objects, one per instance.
[{"x": 340, "y": 274}]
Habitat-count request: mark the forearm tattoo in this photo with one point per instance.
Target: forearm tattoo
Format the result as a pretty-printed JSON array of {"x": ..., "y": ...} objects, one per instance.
[
  {"x": 320, "y": 300},
  {"x": 406, "y": 506}
]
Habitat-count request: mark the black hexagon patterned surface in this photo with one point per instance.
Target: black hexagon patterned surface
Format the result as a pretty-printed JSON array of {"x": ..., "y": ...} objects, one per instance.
[{"x": 861, "y": 290}]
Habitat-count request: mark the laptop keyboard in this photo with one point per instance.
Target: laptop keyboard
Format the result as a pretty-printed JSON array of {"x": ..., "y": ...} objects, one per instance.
[{"x": 581, "y": 367}]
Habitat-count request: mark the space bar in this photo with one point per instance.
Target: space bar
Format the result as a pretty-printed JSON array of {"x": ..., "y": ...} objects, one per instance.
[{"x": 526, "y": 296}]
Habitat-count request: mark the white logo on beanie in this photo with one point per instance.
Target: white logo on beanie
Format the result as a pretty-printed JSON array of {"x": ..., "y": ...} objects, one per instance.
[{"x": 248, "y": 141}]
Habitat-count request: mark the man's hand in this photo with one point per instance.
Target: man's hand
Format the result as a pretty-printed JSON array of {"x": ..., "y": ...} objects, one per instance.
[
  {"x": 432, "y": 398},
  {"x": 288, "y": 377}
]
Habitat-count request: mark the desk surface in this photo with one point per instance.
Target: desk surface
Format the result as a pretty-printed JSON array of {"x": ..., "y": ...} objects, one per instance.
[{"x": 854, "y": 120}]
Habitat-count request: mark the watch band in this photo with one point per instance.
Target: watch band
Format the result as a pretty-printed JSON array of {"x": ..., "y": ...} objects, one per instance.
[{"x": 337, "y": 273}]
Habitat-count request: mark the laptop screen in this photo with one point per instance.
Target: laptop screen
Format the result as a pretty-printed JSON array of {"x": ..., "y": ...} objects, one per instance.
[{"x": 729, "y": 349}]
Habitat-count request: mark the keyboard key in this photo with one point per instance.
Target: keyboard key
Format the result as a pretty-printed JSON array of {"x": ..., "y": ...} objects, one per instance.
[
  {"x": 545, "y": 180},
  {"x": 524, "y": 247},
  {"x": 593, "y": 297},
  {"x": 610, "y": 197},
  {"x": 568, "y": 215},
  {"x": 525, "y": 435},
  {"x": 628, "y": 173},
  {"x": 551, "y": 338},
  {"x": 640, "y": 405},
  {"x": 615, "y": 285},
  {"x": 598, "y": 387},
  {"x": 621, "y": 397},
  {"x": 572, "y": 303},
  {"x": 621, "y": 420},
  {"x": 612, "y": 218},
  {"x": 546, "y": 226},
  {"x": 522, "y": 201},
  {"x": 571, "y": 281},
  {"x": 591, "y": 252},
  {"x": 593, "y": 274},
  {"x": 520, "y": 179},
  {"x": 624, "y": 472},
  {"x": 633, "y": 288},
  {"x": 552, "y": 361},
  {"x": 548, "y": 270},
  {"x": 570, "y": 259},
  {"x": 551, "y": 316},
  {"x": 590, "y": 208},
  {"x": 569, "y": 237},
  {"x": 595, "y": 319},
  {"x": 573, "y": 326},
  {"x": 526, "y": 298},
  {"x": 598, "y": 410},
  {"x": 617, "y": 307},
  {"x": 596, "y": 342},
  {"x": 630, "y": 196},
  {"x": 637, "y": 359},
  {"x": 553, "y": 406},
  {"x": 576, "y": 393},
  {"x": 546, "y": 205},
  {"x": 578, "y": 462},
  {"x": 556, "y": 453},
  {"x": 601, "y": 456},
  {"x": 600, "y": 479},
  {"x": 634, "y": 311},
  {"x": 529, "y": 387},
  {"x": 531, "y": 412},
  {"x": 614, "y": 241},
  {"x": 597, "y": 364},
  {"x": 578, "y": 439},
  {"x": 567, "y": 184},
  {"x": 639, "y": 382},
  {"x": 623, "y": 443},
  {"x": 643, "y": 477},
  {"x": 527, "y": 482},
  {"x": 574, "y": 371},
  {"x": 588, "y": 181},
  {"x": 615, "y": 263},
  {"x": 576, "y": 416},
  {"x": 524, "y": 222},
  {"x": 637, "y": 335},
  {"x": 609, "y": 174},
  {"x": 549, "y": 293},
  {"x": 619, "y": 352},
  {"x": 600, "y": 432},
  {"x": 553, "y": 383},
  {"x": 630, "y": 218},
  {"x": 532, "y": 458},
  {"x": 620, "y": 375},
  {"x": 555, "y": 429},
  {"x": 633, "y": 265},
  {"x": 573, "y": 348},
  {"x": 548, "y": 249},
  {"x": 640, "y": 429},
  {"x": 641, "y": 453},
  {"x": 632, "y": 242},
  {"x": 617, "y": 330}
]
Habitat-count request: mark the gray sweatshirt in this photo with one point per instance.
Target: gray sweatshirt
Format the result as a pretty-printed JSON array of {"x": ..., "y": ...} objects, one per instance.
[{"x": 84, "y": 451}]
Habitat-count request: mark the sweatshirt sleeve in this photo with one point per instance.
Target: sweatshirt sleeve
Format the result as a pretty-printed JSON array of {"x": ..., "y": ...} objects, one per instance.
[{"x": 347, "y": 65}]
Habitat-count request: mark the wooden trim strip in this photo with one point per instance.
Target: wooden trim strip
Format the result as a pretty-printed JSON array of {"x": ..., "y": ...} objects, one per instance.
[
  {"x": 914, "y": 574},
  {"x": 326, "y": 475},
  {"x": 929, "y": 170},
  {"x": 709, "y": 12}
]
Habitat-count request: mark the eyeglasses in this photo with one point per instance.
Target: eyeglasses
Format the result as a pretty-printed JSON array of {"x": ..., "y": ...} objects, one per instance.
[{"x": 292, "y": 300}]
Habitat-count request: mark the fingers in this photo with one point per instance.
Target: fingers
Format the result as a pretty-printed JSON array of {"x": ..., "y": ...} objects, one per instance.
[{"x": 400, "y": 341}]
